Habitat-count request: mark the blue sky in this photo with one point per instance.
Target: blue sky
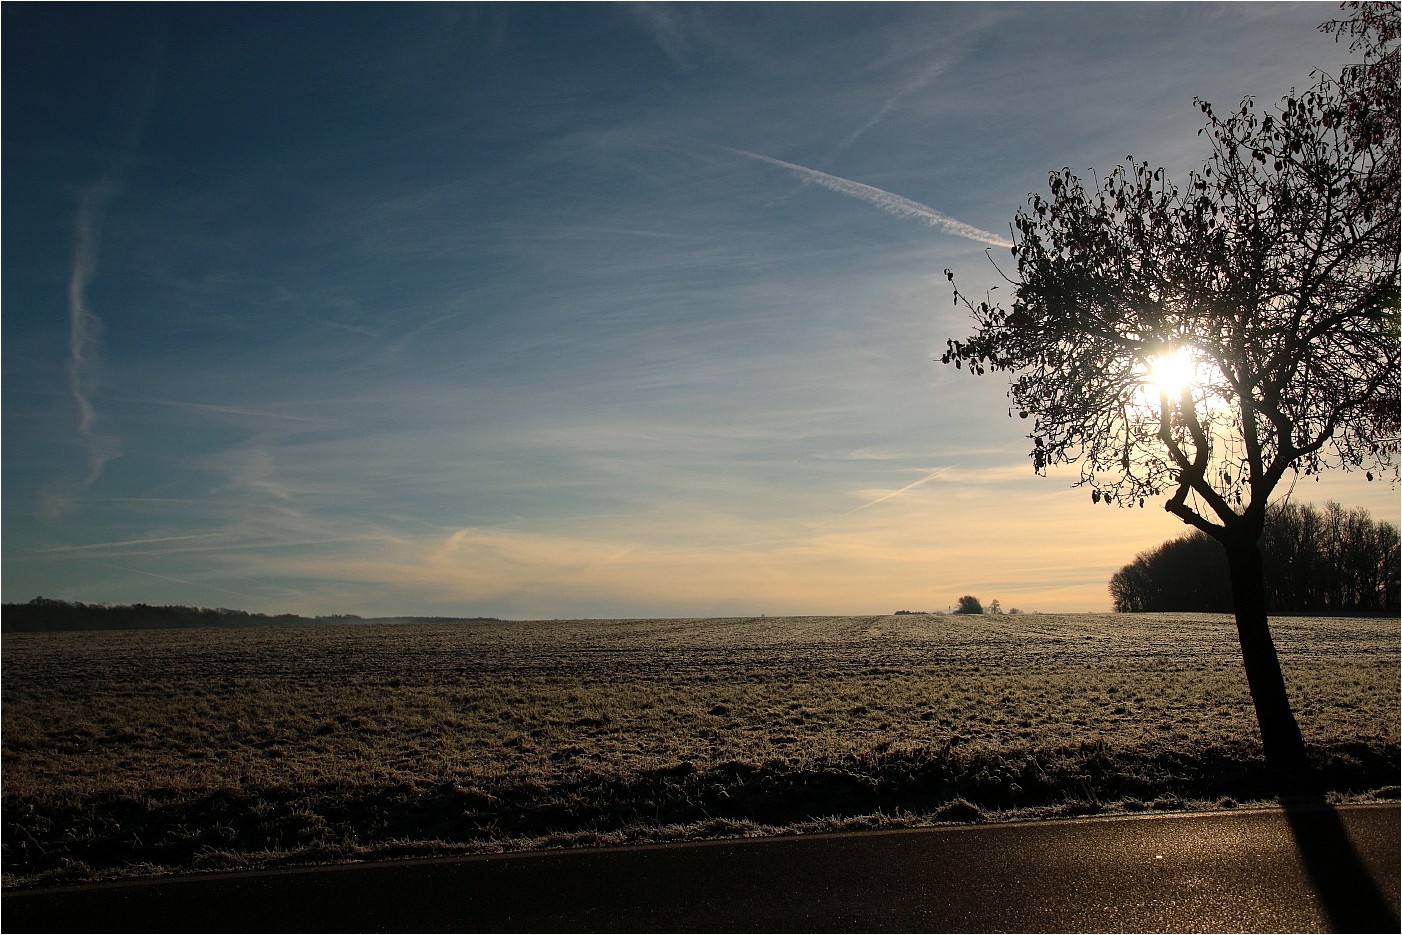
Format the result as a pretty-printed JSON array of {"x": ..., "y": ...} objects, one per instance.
[{"x": 575, "y": 310}]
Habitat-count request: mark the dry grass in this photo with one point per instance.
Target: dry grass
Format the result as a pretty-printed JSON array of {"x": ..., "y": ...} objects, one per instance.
[{"x": 143, "y": 751}]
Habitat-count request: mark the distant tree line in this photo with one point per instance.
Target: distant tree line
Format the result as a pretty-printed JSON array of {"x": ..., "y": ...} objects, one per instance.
[
  {"x": 46, "y": 614},
  {"x": 1329, "y": 560},
  {"x": 968, "y": 604}
]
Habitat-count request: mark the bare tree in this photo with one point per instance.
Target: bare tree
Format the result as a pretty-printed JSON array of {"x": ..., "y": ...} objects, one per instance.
[{"x": 1209, "y": 340}]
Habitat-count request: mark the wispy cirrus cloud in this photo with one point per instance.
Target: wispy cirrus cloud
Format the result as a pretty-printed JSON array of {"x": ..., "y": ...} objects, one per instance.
[
  {"x": 891, "y": 203},
  {"x": 725, "y": 563},
  {"x": 677, "y": 29}
]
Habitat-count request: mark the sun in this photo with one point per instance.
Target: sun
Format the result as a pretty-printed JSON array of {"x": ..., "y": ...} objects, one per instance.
[{"x": 1171, "y": 372}]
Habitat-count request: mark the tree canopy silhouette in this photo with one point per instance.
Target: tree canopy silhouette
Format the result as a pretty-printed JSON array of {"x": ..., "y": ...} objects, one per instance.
[
  {"x": 1209, "y": 339},
  {"x": 1330, "y": 560},
  {"x": 968, "y": 604}
]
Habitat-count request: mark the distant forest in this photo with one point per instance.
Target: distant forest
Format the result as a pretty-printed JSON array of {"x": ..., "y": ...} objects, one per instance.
[
  {"x": 1330, "y": 561},
  {"x": 44, "y": 614}
]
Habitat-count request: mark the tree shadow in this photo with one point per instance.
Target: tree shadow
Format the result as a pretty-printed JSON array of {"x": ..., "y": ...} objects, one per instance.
[{"x": 1350, "y": 897}]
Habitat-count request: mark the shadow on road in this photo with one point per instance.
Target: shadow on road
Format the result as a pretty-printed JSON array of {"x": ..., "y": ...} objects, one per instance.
[{"x": 1347, "y": 892}]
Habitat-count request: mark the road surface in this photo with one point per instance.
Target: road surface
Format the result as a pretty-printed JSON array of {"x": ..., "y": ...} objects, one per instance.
[{"x": 1315, "y": 869}]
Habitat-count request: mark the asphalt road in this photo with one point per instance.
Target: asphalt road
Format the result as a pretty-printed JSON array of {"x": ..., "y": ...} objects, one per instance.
[{"x": 1315, "y": 869}]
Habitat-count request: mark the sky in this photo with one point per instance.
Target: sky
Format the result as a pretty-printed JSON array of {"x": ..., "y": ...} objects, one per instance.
[{"x": 539, "y": 311}]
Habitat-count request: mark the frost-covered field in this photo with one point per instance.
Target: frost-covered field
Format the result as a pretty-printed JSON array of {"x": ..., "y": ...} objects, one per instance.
[{"x": 138, "y": 751}]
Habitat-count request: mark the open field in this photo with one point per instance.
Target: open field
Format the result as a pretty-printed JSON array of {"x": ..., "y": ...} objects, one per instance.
[{"x": 145, "y": 751}]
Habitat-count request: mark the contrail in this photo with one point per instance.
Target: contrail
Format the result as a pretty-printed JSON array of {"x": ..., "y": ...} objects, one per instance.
[
  {"x": 152, "y": 574},
  {"x": 908, "y": 487},
  {"x": 125, "y": 542},
  {"x": 84, "y": 327},
  {"x": 233, "y": 410},
  {"x": 889, "y": 202},
  {"x": 923, "y": 79}
]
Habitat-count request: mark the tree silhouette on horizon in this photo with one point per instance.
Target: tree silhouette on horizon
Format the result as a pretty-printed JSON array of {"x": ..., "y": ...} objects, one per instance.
[
  {"x": 1328, "y": 560},
  {"x": 968, "y": 604},
  {"x": 1270, "y": 276}
]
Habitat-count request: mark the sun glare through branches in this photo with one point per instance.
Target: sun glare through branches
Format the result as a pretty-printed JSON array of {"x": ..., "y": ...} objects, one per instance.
[{"x": 1171, "y": 372}]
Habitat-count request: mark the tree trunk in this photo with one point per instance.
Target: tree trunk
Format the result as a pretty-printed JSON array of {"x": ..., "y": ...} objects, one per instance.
[{"x": 1280, "y": 734}]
